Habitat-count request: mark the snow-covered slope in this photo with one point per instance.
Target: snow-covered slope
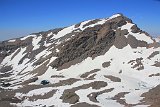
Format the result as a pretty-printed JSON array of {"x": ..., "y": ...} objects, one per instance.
[{"x": 102, "y": 62}]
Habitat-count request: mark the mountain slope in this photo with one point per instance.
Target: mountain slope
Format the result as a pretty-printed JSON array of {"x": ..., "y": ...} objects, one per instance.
[{"x": 101, "y": 62}]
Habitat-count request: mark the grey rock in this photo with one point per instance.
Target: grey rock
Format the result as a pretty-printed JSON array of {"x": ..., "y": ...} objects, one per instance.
[
  {"x": 106, "y": 64},
  {"x": 69, "y": 97},
  {"x": 84, "y": 104}
]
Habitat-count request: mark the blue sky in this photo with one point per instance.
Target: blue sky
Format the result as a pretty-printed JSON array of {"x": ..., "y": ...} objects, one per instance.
[{"x": 22, "y": 17}]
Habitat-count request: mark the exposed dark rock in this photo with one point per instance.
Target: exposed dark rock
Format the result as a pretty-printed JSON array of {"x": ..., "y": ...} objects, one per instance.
[
  {"x": 152, "y": 97},
  {"x": 15, "y": 53},
  {"x": 158, "y": 74},
  {"x": 88, "y": 73},
  {"x": 30, "y": 80},
  {"x": 135, "y": 29},
  {"x": 6, "y": 104},
  {"x": 84, "y": 104},
  {"x": 132, "y": 41},
  {"x": 57, "y": 76},
  {"x": 84, "y": 46},
  {"x": 124, "y": 32},
  {"x": 77, "y": 25},
  {"x": 94, "y": 85},
  {"x": 91, "y": 77},
  {"x": 5, "y": 69},
  {"x": 97, "y": 84},
  {"x": 40, "y": 70},
  {"x": 31, "y": 55},
  {"x": 137, "y": 63},
  {"x": 113, "y": 78},
  {"x": 43, "y": 59},
  {"x": 45, "y": 33},
  {"x": 157, "y": 64},
  {"x": 6, "y": 84},
  {"x": 12, "y": 100},
  {"x": 120, "y": 40},
  {"x": 142, "y": 44},
  {"x": 1, "y": 58},
  {"x": 93, "y": 96},
  {"x": 70, "y": 97},
  {"x": 153, "y": 54},
  {"x": 66, "y": 82},
  {"x": 106, "y": 64},
  {"x": 90, "y": 43},
  {"x": 120, "y": 71},
  {"x": 118, "y": 97},
  {"x": 155, "y": 45},
  {"x": 9, "y": 47}
]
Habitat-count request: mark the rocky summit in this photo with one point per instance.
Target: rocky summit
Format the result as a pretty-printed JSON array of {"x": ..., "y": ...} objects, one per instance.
[{"x": 106, "y": 62}]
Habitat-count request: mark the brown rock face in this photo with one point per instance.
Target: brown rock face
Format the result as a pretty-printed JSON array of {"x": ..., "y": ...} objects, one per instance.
[
  {"x": 135, "y": 29},
  {"x": 70, "y": 97},
  {"x": 84, "y": 45},
  {"x": 132, "y": 41},
  {"x": 120, "y": 40},
  {"x": 153, "y": 54},
  {"x": 88, "y": 73},
  {"x": 93, "y": 96},
  {"x": 112, "y": 78},
  {"x": 152, "y": 97},
  {"x": 92, "y": 42},
  {"x": 157, "y": 64}
]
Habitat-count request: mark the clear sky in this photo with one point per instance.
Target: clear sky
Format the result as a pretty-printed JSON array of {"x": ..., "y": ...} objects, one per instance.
[{"x": 22, "y": 17}]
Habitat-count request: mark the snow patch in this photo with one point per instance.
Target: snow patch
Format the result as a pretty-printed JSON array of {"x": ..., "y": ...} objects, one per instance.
[
  {"x": 35, "y": 42},
  {"x": 64, "y": 31},
  {"x": 27, "y": 37},
  {"x": 114, "y": 16},
  {"x": 13, "y": 40},
  {"x": 138, "y": 36}
]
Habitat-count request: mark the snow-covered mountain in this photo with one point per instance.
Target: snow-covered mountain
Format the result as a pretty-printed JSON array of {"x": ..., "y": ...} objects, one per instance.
[{"x": 106, "y": 62}]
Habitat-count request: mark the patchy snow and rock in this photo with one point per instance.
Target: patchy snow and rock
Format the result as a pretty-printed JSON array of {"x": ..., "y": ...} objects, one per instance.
[{"x": 72, "y": 62}]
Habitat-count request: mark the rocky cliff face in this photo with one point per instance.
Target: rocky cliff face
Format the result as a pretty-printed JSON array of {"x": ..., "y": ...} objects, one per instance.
[{"x": 107, "y": 56}]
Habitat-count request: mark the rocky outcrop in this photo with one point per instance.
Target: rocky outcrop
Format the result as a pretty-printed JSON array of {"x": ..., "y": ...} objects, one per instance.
[
  {"x": 153, "y": 54},
  {"x": 113, "y": 78},
  {"x": 152, "y": 97},
  {"x": 135, "y": 29},
  {"x": 84, "y": 104},
  {"x": 5, "y": 72},
  {"x": 89, "y": 73},
  {"x": 70, "y": 97},
  {"x": 84, "y": 45},
  {"x": 93, "y": 96},
  {"x": 157, "y": 64},
  {"x": 92, "y": 42},
  {"x": 106, "y": 64}
]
